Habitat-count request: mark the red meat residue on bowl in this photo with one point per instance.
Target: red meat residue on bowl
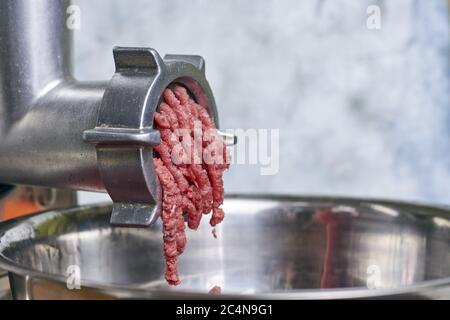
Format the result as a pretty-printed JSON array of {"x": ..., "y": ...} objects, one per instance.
[{"x": 215, "y": 290}]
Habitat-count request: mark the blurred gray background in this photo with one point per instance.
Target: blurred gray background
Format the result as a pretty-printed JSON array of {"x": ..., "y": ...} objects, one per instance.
[{"x": 361, "y": 112}]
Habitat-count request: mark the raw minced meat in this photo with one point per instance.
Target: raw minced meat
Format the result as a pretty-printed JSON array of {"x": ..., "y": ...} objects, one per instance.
[{"x": 189, "y": 162}]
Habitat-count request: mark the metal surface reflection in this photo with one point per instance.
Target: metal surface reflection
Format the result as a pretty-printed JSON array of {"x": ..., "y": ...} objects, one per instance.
[{"x": 268, "y": 246}]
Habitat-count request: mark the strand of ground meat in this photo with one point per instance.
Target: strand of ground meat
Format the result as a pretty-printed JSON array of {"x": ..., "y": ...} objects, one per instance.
[{"x": 189, "y": 162}]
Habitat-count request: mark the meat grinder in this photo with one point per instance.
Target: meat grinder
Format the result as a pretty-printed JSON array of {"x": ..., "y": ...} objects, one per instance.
[{"x": 58, "y": 132}]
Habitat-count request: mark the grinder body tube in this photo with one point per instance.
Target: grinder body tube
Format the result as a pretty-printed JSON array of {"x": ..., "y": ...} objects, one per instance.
[{"x": 45, "y": 147}]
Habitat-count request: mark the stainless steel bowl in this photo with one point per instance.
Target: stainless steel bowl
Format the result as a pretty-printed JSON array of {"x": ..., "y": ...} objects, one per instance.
[
  {"x": 267, "y": 247},
  {"x": 5, "y": 293}
]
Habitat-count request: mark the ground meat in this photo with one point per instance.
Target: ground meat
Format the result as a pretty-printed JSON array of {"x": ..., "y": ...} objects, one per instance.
[
  {"x": 215, "y": 290},
  {"x": 189, "y": 163}
]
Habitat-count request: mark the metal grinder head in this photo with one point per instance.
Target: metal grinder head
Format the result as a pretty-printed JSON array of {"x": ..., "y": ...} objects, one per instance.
[{"x": 124, "y": 134}]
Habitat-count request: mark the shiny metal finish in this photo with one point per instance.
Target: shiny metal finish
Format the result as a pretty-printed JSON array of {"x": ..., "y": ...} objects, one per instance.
[
  {"x": 35, "y": 54},
  {"x": 43, "y": 110},
  {"x": 5, "y": 292},
  {"x": 267, "y": 247},
  {"x": 45, "y": 147},
  {"x": 35, "y": 57}
]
